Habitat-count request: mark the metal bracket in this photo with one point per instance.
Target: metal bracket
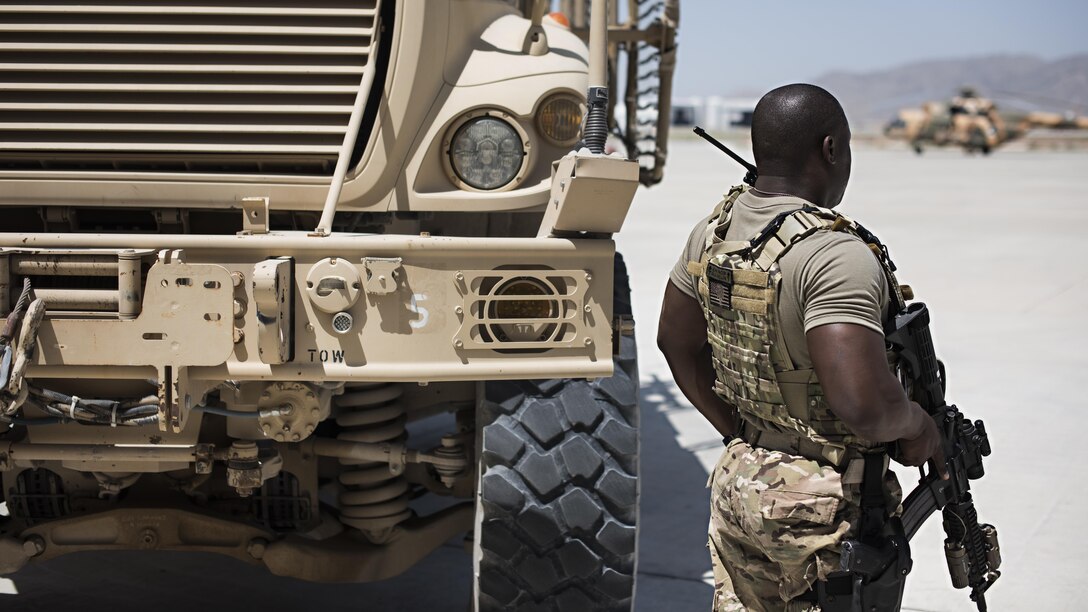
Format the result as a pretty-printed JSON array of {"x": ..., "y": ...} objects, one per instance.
[
  {"x": 203, "y": 455},
  {"x": 255, "y": 215},
  {"x": 382, "y": 274},
  {"x": 590, "y": 193},
  {"x": 171, "y": 256},
  {"x": 622, "y": 325},
  {"x": 398, "y": 459},
  {"x": 272, "y": 293}
]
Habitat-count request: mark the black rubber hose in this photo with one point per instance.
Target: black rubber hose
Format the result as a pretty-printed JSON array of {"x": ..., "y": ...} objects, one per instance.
[
  {"x": 29, "y": 422},
  {"x": 227, "y": 412},
  {"x": 595, "y": 132}
]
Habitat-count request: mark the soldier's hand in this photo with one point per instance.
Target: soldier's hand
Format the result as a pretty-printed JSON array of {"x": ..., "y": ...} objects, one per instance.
[{"x": 926, "y": 446}]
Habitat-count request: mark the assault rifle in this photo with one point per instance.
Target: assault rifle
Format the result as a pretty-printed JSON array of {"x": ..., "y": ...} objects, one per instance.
[
  {"x": 874, "y": 566},
  {"x": 971, "y": 549}
]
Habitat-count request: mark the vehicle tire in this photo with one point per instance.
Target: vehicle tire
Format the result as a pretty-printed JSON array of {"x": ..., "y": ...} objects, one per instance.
[{"x": 558, "y": 506}]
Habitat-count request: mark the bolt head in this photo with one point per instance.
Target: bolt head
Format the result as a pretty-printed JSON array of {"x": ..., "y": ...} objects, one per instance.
[
  {"x": 257, "y": 548},
  {"x": 148, "y": 538},
  {"x": 33, "y": 546}
]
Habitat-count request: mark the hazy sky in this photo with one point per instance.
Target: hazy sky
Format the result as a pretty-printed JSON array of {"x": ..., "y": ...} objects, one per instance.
[{"x": 728, "y": 46}]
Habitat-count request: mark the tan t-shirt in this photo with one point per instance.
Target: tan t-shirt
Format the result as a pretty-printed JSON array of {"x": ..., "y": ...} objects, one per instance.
[{"x": 829, "y": 277}]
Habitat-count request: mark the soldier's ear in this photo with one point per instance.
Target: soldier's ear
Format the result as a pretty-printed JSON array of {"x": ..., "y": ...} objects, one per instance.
[{"x": 829, "y": 150}]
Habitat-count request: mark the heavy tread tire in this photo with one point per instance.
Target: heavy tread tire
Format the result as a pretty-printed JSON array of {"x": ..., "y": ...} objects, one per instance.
[{"x": 559, "y": 490}]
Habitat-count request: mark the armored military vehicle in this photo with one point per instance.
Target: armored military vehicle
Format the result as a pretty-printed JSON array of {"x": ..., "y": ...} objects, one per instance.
[{"x": 246, "y": 247}]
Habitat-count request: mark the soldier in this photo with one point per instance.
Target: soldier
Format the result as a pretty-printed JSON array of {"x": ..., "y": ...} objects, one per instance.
[{"x": 772, "y": 324}]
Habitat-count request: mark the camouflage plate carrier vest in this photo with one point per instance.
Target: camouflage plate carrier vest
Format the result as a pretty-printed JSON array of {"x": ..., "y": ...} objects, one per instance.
[{"x": 739, "y": 286}]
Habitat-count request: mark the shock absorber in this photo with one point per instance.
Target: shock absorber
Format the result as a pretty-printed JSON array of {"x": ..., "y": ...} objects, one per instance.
[{"x": 372, "y": 498}]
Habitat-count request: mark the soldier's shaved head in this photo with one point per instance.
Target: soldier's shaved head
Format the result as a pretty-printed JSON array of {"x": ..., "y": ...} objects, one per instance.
[
  {"x": 801, "y": 141},
  {"x": 789, "y": 125}
]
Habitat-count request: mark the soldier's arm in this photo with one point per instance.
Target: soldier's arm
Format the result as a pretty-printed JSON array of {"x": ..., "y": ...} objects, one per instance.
[
  {"x": 681, "y": 336},
  {"x": 852, "y": 367}
]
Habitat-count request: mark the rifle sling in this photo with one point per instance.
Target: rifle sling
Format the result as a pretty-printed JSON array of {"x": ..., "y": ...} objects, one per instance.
[{"x": 873, "y": 506}]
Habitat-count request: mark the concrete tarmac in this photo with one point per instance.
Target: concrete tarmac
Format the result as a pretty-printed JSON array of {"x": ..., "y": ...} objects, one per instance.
[{"x": 993, "y": 244}]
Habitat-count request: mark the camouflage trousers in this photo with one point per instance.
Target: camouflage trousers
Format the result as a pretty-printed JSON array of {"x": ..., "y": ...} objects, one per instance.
[{"x": 776, "y": 524}]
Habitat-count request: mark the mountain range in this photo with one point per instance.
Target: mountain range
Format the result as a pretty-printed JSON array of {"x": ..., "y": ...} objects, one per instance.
[{"x": 1014, "y": 82}]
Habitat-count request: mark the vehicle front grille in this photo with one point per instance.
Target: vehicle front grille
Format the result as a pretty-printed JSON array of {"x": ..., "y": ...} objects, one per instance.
[{"x": 188, "y": 86}]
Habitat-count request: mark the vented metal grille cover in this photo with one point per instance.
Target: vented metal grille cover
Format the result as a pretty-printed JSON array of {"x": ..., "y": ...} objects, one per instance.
[
  {"x": 259, "y": 86},
  {"x": 564, "y": 291}
]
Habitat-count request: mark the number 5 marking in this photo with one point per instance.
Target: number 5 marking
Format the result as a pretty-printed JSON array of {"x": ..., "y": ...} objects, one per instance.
[{"x": 421, "y": 322}]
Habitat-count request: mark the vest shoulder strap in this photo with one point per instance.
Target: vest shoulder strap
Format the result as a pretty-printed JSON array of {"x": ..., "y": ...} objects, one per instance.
[
  {"x": 792, "y": 227},
  {"x": 723, "y": 214},
  {"x": 802, "y": 223},
  {"x": 715, "y": 227},
  {"x": 784, "y": 231}
]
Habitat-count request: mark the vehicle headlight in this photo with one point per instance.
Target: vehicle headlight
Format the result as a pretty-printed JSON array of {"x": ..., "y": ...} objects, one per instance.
[
  {"x": 486, "y": 152},
  {"x": 529, "y": 305},
  {"x": 559, "y": 119}
]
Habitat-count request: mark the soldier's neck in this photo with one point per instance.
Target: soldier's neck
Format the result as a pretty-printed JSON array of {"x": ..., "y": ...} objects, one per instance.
[{"x": 798, "y": 187}]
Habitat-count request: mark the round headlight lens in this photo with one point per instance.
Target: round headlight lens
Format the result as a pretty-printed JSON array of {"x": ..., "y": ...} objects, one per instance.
[
  {"x": 559, "y": 119},
  {"x": 533, "y": 316},
  {"x": 486, "y": 153}
]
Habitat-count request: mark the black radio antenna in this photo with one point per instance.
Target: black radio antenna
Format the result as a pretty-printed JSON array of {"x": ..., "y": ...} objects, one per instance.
[{"x": 751, "y": 176}]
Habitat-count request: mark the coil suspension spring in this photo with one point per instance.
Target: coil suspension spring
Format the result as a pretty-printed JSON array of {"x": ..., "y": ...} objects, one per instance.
[{"x": 372, "y": 498}]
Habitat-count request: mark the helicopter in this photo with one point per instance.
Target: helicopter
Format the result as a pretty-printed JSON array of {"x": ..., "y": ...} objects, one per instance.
[{"x": 971, "y": 122}]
